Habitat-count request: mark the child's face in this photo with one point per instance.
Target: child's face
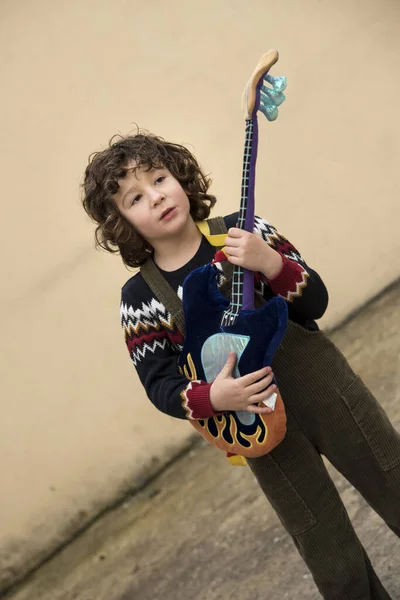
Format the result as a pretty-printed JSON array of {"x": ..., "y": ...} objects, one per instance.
[{"x": 154, "y": 202}]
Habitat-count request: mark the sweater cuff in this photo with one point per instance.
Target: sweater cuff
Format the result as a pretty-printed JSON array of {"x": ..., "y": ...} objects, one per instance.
[
  {"x": 196, "y": 400},
  {"x": 290, "y": 281}
]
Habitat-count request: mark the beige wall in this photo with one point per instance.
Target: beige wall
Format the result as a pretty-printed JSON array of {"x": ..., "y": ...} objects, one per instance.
[{"x": 76, "y": 428}]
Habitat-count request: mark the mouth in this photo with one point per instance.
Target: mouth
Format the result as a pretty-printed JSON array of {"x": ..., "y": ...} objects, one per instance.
[{"x": 167, "y": 212}]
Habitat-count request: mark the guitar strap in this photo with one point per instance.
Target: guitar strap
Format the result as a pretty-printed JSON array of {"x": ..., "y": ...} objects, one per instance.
[{"x": 163, "y": 292}]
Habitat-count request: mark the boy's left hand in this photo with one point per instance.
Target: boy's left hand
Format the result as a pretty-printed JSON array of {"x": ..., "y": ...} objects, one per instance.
[{"x": 250, "y": 251}]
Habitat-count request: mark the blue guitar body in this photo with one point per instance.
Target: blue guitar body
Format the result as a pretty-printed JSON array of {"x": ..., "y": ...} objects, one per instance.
[{"x": 254, "y": 337}]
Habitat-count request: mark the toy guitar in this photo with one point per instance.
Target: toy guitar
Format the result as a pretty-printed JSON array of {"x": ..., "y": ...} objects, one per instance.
[{"x": 215, "y": 326}]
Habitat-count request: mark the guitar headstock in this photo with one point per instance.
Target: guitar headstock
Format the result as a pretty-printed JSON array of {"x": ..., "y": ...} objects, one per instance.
[{"x": 270, "y": 97}]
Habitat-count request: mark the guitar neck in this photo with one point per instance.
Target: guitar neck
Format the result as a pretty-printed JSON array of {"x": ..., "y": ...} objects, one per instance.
[
  {"x": 242, "y": 297},
  {"x": 243, "y": 280}
]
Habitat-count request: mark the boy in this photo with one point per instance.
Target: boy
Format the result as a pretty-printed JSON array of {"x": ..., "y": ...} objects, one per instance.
[{"x": 146, "y": 196}]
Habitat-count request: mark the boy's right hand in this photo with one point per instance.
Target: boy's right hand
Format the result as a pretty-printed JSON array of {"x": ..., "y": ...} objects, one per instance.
[{"x": 242, "y": 393}]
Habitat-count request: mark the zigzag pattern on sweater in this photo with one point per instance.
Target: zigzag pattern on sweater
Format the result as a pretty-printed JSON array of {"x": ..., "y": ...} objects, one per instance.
[
  {"x": 140, "y": 352},
  {"x": 275, "y": 239},
  {"x": 152, "y": 314},
  {"x": 148, "y": 328},
  {"x": 300, "y": 285}
]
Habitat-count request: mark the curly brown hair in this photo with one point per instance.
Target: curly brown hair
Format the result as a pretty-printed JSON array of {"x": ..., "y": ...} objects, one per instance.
[{"x": 113, "y": 232}]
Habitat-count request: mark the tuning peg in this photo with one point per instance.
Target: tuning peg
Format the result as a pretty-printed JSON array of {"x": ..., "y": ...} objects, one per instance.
[
  {"x": 271, "y": 96},
  {"x": 278, "y": 83},
  {"x": 271, "y": 112}
]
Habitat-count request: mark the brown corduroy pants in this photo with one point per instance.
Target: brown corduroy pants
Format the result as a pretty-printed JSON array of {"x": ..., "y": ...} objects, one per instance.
[{"x": 330, "y": 412}]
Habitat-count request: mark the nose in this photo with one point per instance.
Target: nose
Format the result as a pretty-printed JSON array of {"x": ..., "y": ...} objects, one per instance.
[{"x": 156, "y": 197}]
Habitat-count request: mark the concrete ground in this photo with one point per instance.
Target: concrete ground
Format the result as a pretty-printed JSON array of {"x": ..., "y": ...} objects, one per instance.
[{"x": 202, "y": 529}]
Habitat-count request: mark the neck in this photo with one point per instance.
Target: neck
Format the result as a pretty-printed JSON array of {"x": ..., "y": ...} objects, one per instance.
[{"x": 171, "y": 254}]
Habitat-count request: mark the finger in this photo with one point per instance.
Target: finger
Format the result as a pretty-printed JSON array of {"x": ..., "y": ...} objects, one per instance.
[
  {"x": 233, "y": 250},
  {"x": 232, "y": 241},
  {"x": 259, "y": 410},
  {"x": 262, "y": 395},
  {"x": 261, "y": 385},
  {"x": 236, "y": 232},
  {"x": 235, "y": 260},
  {"x": 228, "y": 367},
  {"x": 255, "y": 376}
]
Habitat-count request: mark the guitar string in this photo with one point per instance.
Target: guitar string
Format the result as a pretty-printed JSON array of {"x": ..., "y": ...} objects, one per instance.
[{"x": 231, "y": 314}]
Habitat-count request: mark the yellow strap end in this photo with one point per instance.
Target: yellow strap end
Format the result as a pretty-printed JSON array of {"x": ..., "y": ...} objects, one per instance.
[
  {"x": 216, "y": 239},
  {"x": 237, "y": 461}
]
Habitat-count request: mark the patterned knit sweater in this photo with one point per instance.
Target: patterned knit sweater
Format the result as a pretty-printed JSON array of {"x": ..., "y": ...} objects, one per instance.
[{"x": 154, "y": 341}]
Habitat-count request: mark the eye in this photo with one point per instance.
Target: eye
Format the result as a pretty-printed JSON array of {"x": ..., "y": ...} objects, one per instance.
[
  {"x": 160, "y": 179},
  {"x": 135, "y": 199}
]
